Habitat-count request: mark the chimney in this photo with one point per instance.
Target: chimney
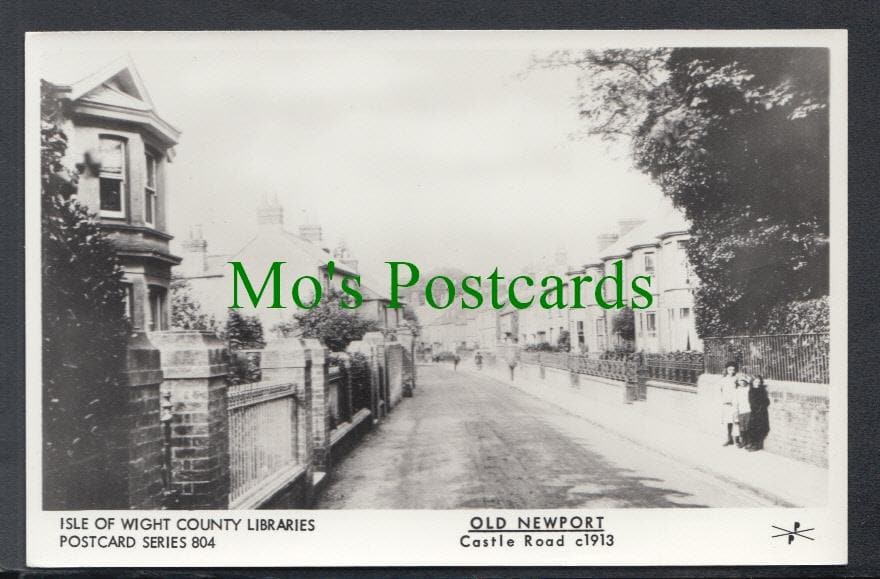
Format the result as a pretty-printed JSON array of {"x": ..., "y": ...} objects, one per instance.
[
  {"x": 605, "y": 239},
  {"x": 310, "y": 232},
  {"x": 195, "y": 251},
  {"x": 270, "y": 214},
  {"x": 628, "y": 224}
]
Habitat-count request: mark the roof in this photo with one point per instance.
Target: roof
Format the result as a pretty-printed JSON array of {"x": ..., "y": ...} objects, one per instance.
[
  {"x": 114, "y": 90},
  {"x": 284, "y": 242},
  {"x": 649, "y": 233}
]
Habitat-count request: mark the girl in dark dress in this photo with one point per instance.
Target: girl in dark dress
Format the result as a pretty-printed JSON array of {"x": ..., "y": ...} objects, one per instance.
[{"x": 759, "y": 422}]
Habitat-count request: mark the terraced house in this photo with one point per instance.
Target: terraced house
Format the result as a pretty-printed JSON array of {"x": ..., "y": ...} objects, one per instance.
[{"x": 656, "y": 247}]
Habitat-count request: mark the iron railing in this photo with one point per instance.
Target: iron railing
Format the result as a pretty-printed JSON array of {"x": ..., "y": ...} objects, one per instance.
[
  {"x": 791, "y": 357},
  {"x": 621, "y": 369},
  {"x": 679, "y": 368},
  {"x": 262, "y": 433}
]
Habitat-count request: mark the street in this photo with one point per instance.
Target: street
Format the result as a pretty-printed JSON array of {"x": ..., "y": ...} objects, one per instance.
[{"x": 469, "y": 441}]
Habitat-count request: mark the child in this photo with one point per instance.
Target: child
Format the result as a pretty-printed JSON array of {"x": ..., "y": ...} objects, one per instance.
[
  {"x": 729, "y": 415},
  {"x": 759, "y": 423},
  {"x": 743, "y": 410}
]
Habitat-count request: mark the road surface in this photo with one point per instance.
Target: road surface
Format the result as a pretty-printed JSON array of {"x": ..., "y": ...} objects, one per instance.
[{"x": 468, "y": 441}]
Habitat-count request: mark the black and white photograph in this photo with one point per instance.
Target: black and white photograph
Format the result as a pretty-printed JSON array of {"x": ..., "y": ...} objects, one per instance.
[{"x": 508, "y": 297}]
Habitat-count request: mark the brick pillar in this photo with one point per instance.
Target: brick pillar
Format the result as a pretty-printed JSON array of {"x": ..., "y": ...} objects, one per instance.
[
  {"x": 195, "y": 365},
  {"x": 288, "y": 359},
  {"x": 320, "y": 404},
  {"x": 138, "y": 442}
]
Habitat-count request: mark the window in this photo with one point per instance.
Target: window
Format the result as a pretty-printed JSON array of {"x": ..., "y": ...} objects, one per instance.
[
  {"x": 128, "y": 302},
  {"x": 580, "y": 333},
  {"x": 685, "y": 262},
  {"x": 112, "y": 177},
  {"x": 651, "y": 322},
  {"x": 157, "y": 309},
  {"x": 649, "y": 262},
  {"x": 684, "y": 313},
  {"x": 150, "y": 190},
  {"x": 600, "y": 327}
]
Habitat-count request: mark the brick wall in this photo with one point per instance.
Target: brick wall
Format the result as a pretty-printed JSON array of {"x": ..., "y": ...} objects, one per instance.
[
  {"x": 140, "y": 437},
  {"x": 798, "y": 415},
  {"x": 798, "y": 411},
  {"x": 195, "y": 366}
]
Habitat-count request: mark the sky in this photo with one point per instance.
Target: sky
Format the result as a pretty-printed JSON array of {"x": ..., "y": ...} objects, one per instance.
[{"x": 442, "y": 156}]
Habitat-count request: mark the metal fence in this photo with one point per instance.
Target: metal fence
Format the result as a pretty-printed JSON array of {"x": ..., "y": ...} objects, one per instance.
[
  {"x": 792, "y": 357},
  {"x": 262, "y": 433},
  {"x": 683, "y": 368},
  {"x": 620, "y": 369}
]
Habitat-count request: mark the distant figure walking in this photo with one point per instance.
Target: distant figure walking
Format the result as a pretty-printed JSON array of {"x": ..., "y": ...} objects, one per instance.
[
  {"x": 478, "y": 360},
  {"x": 510, "y": 354},
  {"x": 455, "y": 361},
  {"x": 759, "y": 423}
]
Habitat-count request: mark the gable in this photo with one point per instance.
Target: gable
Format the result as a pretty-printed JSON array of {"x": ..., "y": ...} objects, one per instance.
[
  {"x": 120, "y": 76},
  {"x": 111, "y": 94}
]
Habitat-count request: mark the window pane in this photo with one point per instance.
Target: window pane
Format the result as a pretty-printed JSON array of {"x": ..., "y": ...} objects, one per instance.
[
  {"x": 111, "y": 194},
  {"x": 112, "y": 157},
  {"x": 150, "y": 206},
  {"x": 151, "y": 172},
  {"x": 649, "y": 262}
]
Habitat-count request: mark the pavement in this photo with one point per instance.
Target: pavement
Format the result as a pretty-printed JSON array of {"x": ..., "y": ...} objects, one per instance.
[
  {"x": 467, "y": 440},
  {"x": 781, "y": 480}
]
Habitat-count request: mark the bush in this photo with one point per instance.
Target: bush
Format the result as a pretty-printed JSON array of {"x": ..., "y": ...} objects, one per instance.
[
  {"x": 85, "y": 333},
  {"x": 186, "y": 312},
  {"x": 359, "y": 369},
  {"x": 334, "y": 326},
  {"x": 800, "y": 317}
]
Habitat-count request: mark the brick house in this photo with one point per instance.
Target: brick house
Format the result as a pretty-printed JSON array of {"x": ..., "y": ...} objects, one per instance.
[{"x": 121, "y": 147}]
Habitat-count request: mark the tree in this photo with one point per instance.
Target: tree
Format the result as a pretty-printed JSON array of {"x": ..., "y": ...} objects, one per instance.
[
  {"x": 564, "y": 342},
  {"x": 186, "y": 311},
  {"x": 243, "y": 332},
  {"x": 334, "y": 326},
  {"x": 85, "y": 333},
  {"x": 738, "y": 139},
  {"x": 411, "y": 320},
  {"x": 623, "y": 324}
]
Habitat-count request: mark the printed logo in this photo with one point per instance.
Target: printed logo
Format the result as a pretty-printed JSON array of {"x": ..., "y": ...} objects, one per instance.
[{"x": 796, "y": 532}]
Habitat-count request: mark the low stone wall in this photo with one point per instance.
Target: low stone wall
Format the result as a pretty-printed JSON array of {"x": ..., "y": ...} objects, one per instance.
[
  {"x": 347, "y": 435},
  {"x": 798, "y": 411},
  {"x": 798, "y": 417}
]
